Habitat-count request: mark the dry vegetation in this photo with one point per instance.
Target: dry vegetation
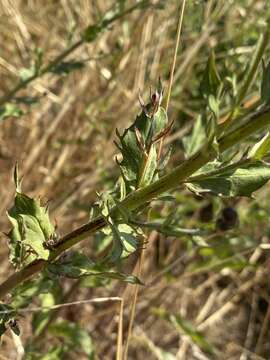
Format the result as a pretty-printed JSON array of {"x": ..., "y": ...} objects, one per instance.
[{"x": 65, "y": 151}]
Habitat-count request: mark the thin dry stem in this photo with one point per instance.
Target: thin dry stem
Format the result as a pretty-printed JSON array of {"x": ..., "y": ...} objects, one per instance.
[{"x": 177, "y": 41}]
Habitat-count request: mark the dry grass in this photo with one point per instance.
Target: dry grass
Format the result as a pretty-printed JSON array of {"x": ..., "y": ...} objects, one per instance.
[{"x": 64, "y": 147}]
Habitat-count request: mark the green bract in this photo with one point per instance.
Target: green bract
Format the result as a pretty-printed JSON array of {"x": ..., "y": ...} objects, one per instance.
[
  {"x": 31, "y": 228},
  {"x": 137, "y": 145}
]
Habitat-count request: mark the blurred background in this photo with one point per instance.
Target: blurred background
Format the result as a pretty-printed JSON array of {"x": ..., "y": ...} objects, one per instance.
[{"x": 198, "y": 301}]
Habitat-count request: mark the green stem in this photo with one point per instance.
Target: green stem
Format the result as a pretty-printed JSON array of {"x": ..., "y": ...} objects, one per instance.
[
  {"x": 22, "y": 84},
  {"x": 168, "y": 229},
  {"x": 255, "y": 62},
  {"x": 46, "y": 69},
  {"x": 249, "y": 76},
  {"x": 255, "y": 122}
]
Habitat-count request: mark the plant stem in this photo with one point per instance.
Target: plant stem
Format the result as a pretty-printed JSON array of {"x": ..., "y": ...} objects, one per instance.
[
  {"x": 179, "y": 28},
  {"x": 249, "y": 76},
  {"x": 22, "y": 84},
  {"x": 255, "y": 122},
  {"x": 168, "y": 229},
  {"x": 255, "y": 62},
  {"x": 46, "y": 69}
]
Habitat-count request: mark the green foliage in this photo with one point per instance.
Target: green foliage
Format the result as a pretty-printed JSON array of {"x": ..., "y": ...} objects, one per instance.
[
  {"x": 265, "y": 84},
  {"x": 33, "y": 238},
  {"x": 195, "y": 140},
  {"x": 31, "y": 229},
  {"x": 74, "y": 336},
  {"x": 91, "y": 32},
  {"x": 260, "y": 149},
  {"x": 76, "y": 265},
  {"x": 23, "y": 295},
  {"x": 185, "y": 327},
  {"x": 7, "y": 314},
  {"x": 211, "y": 80},
  {"x": 65, "y": 67},
  {"x": 10, "y": 110},
  {"x": 27, "y": 73},
  {"x": 240, "y": 179},
  {"x": 139, "y": 164},
  {"x": 41, "y": 319}
]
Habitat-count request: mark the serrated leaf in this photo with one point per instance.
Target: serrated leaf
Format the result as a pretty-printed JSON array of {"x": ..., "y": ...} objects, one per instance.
[
  {"x": 260, "y": 150},
  {"x": 10, "y": 110},
  {"x": 31, "y": 229},
  {"x": 125, "y": 241},
  {"x": 265, "y": 85},
  {"x": 76, "y": 337},
  {"x": 136, "y": 143},
  {"x": 233, "y": 180}
]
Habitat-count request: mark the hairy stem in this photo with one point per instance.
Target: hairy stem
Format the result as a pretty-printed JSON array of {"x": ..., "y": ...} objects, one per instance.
[{"x": 255, "y": 122}]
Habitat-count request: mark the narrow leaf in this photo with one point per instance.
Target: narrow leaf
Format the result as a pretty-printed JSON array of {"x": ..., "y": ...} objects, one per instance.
[
  {"x": 265, "y": 85},
  {"x": 260, "y": 149},
  {"x": 233, "y": 180}
]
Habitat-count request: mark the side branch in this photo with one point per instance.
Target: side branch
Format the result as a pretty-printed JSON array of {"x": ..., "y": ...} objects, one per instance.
[{"x": 254, "y": 122}]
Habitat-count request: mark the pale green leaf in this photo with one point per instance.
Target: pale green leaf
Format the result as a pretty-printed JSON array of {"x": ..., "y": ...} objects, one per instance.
[
  {"x": 260, "y": 150},
  {"x": 211, "y": 79},
  {"x": 31, "y": 229},
  {"x": 194, "y": 141},
  {"x": 233, "y": 180},
  {"x": 10, "y": 110},
  {"x": 76, "y": 337},
  {"x": 265, "y": 85}
]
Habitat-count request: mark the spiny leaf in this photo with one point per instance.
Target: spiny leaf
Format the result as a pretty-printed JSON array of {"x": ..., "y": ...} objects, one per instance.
[
  {"x": 31, "y": 229},
  {"x": 233, "y": 180},
  {"x": 139, "y": 154}
]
